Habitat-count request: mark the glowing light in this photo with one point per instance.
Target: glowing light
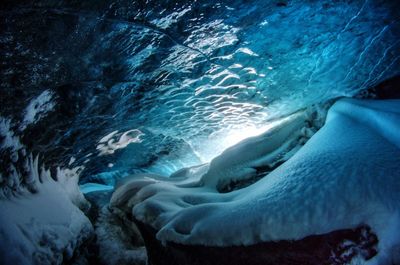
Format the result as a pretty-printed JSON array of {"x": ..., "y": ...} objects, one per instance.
[
  {"x": 221, "y": 140},
  {"x": 238, "y": 135}
]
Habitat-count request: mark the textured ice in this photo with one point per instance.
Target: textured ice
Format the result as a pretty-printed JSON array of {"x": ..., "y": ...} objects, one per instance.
[
  {"x": 346, "y": 175},
  {"x": 195, "y": 77}
]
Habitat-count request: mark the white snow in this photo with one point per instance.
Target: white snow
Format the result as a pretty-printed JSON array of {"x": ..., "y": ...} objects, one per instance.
[
  {"x": 44, "y": 226},
  {"x": 110, "y": 143},
  {"x": 107, "y": 137},
  {"x": 346, "y": 175},
  {"x": 71, "y": 160},
  {"x": 38, "y": 108}
]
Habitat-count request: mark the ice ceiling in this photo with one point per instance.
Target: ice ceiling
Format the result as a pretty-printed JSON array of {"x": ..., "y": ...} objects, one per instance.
[{"x": 153, "y": 86}]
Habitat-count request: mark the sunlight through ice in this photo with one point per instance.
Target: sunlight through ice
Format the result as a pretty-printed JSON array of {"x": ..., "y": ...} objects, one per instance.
[
  {"x": 223, "y": 139},
  {"x": 235, "y": 136}
]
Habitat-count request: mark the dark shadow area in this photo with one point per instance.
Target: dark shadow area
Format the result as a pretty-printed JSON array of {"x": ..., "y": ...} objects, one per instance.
[{"x": 334, "y": 248}]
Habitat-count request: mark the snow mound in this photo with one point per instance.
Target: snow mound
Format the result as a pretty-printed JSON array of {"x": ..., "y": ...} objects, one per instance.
[
  {"x": 346, "y": 175},
  {"x": 41, "y": 223}
]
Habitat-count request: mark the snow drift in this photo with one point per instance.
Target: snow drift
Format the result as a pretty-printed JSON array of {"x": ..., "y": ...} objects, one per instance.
[
  {"x": 346, "y": 175},
  {"x": 40, "y": 221}
]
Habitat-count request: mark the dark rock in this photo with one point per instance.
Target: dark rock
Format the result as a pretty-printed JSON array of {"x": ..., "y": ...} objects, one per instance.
[
  {"x": 388, "y": 89},
  {"x": 337, "y": 247}
]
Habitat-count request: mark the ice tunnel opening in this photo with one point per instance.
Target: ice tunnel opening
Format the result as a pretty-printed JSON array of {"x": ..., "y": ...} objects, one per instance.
[
  {"x": 210, "y": 148},
  {"x": 216, "y": 144}
]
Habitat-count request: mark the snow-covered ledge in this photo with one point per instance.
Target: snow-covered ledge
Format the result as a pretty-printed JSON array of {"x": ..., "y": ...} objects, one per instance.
[{"x": 346, "y": 175}]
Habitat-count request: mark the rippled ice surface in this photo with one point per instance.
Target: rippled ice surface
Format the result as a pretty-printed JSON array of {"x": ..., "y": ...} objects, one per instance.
[{"x": 154, "y": 86}]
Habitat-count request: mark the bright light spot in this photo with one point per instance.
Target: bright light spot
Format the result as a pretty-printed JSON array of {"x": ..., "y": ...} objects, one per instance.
[
  {"x": 236, "y": 136},
  {"x": 221, "y": 140}
]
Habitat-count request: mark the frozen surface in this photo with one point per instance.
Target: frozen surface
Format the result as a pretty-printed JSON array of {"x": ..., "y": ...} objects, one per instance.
[
  {"x": 43, "y": 225},
  {"x": 347, "y": 174},
  {"x": 126, "y": 87}
]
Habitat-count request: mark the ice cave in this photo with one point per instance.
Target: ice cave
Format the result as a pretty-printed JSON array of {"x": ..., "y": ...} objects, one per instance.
[{"x": 173, "y": 132}]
